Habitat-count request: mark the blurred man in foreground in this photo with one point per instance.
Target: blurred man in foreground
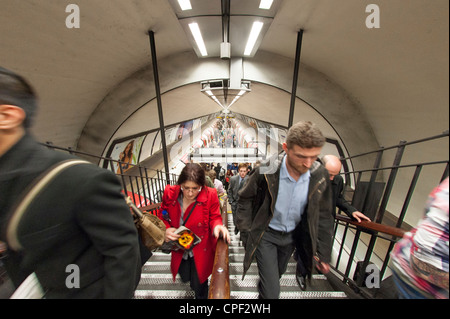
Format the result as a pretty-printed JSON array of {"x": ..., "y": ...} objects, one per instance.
[{"x": 77, "y": 236}]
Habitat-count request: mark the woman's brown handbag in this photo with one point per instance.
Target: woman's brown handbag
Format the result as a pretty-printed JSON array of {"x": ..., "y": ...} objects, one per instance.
[{"x": 151, "y": 229}]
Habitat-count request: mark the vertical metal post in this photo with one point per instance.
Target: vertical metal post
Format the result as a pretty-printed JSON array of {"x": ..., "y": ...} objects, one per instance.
[
  {"x": 344, "y": 237},
  {"x": 110, "y": 161},
  {"x": 445, "y": 175},
  {"x": 124, "y": 184},
  {"x": 151, "y": 35},
  {"x": 146, "y": 201},
  {"x": 409, "y": 196},
  {"x": 149, "y": 190},
  {"x": 352, "y": 253},
  {"x": 132, "y": 189},
  {"x": 295, "y": 80},
  {"x": 225, "y": 20},
  {"x": 390, "y": 183},
  {"x": 362, "y": 270},
  {"x": 373, "y": 178}
]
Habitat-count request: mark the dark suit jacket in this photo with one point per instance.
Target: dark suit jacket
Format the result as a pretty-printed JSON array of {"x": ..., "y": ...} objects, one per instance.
[
  {"x": 233, "y": 190},
  {"x": 337, "y": 185},
  {"x": 80, "y": 218}
]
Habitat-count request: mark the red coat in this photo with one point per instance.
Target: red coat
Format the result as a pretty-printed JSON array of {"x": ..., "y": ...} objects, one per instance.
[{"x": 202, "y": 221}]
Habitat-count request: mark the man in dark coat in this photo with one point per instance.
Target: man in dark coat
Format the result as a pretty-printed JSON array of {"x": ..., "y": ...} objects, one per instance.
[
  {"x": 236, "y": 183},
  {"x": 286, "y": 204},
  {"x": 77, "y": 236},
  {"x": 333, "y": 165}
]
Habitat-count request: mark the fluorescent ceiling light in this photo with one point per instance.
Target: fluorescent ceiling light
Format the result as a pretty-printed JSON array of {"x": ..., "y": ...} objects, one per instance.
[
  {"x": 254, "y": 34},
  {"x": 265, "y": 4},
  {"x": 198, "y": 38},
  {"x": 217, "y": 101},
  {"x": 242, "y": 92},
  {"x": 185, "y": 4}
]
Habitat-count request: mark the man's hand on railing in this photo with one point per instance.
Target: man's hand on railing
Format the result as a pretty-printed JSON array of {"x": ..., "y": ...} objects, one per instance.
[
  {"x": 360, "y": 216},
  {"x": 394, "y": 231}
]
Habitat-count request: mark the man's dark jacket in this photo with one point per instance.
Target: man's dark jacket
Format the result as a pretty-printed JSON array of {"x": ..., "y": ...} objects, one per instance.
[
  {"x": 313, "y": 235},
  {"x": 79, "y": 219},
  {"x": 339, "y": 201},
  {"x": 233, "y": 190}
]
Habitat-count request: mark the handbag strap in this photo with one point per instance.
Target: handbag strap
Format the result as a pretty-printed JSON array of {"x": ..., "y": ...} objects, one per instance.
[
  {"x": 189, "y": 215},
  {"x": 35, "y": 188}
]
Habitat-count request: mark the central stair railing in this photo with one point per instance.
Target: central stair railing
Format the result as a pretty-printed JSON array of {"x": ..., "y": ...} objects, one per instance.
[{"x": 220, "y": 279}]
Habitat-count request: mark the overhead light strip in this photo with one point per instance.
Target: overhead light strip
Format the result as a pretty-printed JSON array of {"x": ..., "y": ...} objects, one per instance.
[
  {"x": 185, "y": 5},
  {"x": 254, "y": 34},
  {"x": 198, "y": 38},
  {"x": 265, "y": 4}
]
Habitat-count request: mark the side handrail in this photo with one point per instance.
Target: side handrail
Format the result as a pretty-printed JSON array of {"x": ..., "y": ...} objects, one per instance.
[
  {"x": 389, "y": 230},
  {"x": 378, "y": 231},
  {"x": 220, "y": 280}
]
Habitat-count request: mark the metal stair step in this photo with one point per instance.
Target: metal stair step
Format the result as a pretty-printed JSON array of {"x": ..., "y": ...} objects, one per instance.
[
  {"x": 163, "y": 267},
  {"x": 238, "y": 268},
  {"x": 159, "y": 256},
  {"x": 164, "y": 294},
  {"x": 157, "y": 282},
  {"x": 236, "y": 250},
  {"x": 236, "y": 257},
  {"x": 292, "y": 295},
  {"x": 287, "y": 280},
  {"x": 161, "y": 282},
  {"x": 156, "y": 267}
]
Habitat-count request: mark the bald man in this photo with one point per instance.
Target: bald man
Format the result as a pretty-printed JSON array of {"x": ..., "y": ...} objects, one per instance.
[{"x": 333, "y": 165}]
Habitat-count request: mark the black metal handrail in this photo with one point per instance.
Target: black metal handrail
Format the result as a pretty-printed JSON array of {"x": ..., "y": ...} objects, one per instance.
[
  {"x": 403, "y": 143},
  {"x": 379, "y": 233},
  {"x": 144, "y": 185}
]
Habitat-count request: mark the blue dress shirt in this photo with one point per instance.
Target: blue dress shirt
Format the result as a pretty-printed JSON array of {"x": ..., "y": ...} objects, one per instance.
[{"x": 291, "y": 201}]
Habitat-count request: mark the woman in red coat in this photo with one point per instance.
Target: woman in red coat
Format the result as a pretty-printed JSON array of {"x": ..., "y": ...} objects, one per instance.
[{"x": 205, "y": 221}]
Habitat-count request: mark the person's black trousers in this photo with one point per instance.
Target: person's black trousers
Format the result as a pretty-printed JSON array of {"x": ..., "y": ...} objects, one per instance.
[
  {"x": 272, "y": 257},
  {"x": 188, "y": 272}
]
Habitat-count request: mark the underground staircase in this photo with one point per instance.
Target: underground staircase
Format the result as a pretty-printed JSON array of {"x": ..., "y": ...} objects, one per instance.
[{"x": 156, "y": 279}]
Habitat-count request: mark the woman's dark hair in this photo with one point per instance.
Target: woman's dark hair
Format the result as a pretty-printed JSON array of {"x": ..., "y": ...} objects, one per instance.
[
  {"x": 194, "y": 173},
  {"x": 15, "y": 90},
  {"x": 130, "y": 151}
]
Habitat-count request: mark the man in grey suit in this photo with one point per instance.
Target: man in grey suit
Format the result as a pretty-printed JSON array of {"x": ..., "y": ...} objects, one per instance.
[{"x": 236, "y": 183}]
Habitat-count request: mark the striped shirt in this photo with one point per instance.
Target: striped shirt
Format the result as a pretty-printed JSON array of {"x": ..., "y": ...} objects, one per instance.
[{"x": 429, "y": 243}]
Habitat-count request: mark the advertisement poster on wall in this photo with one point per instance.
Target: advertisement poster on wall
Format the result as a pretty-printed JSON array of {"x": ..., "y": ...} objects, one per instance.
[{"x": 127, "y": 152}]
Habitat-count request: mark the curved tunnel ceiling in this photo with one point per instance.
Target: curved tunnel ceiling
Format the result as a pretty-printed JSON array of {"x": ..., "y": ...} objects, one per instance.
[
  {"x": 375, "y": 87},
  {"x": 397, "y": 74},
  {"x": 270, "y": 76},
  {"x": 264, "y": 102}
]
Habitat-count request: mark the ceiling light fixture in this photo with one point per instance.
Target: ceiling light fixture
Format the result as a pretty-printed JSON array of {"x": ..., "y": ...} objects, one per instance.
[
  {"x": 242, "y": 92},
  {"x": 254, "y": 34},
  {"x": 198, "y": 38},
  {"x": 185, "y": 5},
  {"x": 219, "y": 92},
  {"x": 265, "y": 4}
]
